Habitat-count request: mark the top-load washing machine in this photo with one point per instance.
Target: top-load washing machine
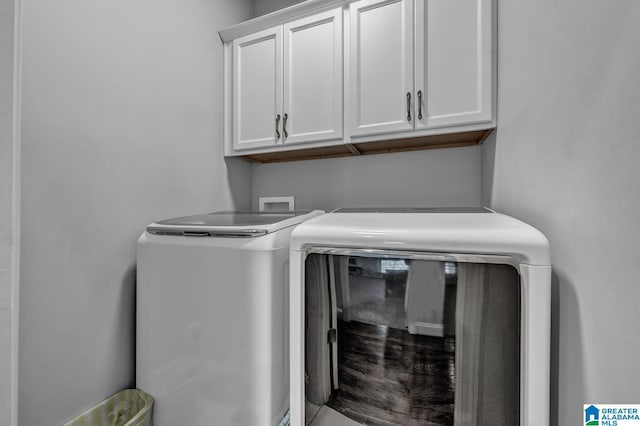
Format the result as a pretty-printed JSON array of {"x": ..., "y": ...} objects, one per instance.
[
  {"x": 419, "y": 316},
  {"x": 212, "y": 317}
]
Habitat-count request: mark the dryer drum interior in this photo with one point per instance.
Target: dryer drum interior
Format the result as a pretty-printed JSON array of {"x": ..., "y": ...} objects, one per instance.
[{"x": 395, "y": 339}]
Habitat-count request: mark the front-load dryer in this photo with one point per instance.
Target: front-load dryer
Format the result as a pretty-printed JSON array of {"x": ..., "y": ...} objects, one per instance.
[
  {"x": 419, "y": 317},
  {"x": 212, "y": 318}
]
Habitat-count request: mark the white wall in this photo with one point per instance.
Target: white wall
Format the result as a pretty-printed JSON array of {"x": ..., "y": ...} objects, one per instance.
[
  {"x": 566, "y": 158},
  {"x": 262, "y": 7},
  {"x": 9, "y": 151},
  {"x": 441, "y": 177},
  {"x": 122, "y": 124}
]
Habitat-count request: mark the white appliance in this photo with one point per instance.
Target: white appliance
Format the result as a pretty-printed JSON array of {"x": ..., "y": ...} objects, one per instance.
[
  {"x": 472, "y": 240},
  {"x": 212, "y": 317}
]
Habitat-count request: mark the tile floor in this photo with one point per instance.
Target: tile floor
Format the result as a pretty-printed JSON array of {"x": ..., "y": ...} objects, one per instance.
[{"x": 325, "y": 416}]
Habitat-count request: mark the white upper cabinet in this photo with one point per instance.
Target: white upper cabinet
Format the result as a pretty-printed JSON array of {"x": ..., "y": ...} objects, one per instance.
[
  {"x": 454, "y": 58},
  {"x": 287, "y": 83},
  {"x": 381, "y": 66},
  {"x": 327, "y": 78},
  {"x": 420, "y": 64},
  {"x": 257, "y": 89},
  {"x": 313, "y": 78}
]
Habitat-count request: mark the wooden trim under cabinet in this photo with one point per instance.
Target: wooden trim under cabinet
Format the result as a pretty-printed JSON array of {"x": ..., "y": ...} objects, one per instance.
[{"x": 369, "y": 148}]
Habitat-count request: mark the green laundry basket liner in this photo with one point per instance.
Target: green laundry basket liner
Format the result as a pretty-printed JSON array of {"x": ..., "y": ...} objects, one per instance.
[{"x": 130, "y": 407}]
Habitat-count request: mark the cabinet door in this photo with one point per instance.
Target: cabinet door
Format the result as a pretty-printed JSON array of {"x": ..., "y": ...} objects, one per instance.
[
  {"x": 454, "y": 62},
  {"x": 381, "y": 73},
  {"x": 313, "y": 78},
  {"x": 257, "y": 89}
]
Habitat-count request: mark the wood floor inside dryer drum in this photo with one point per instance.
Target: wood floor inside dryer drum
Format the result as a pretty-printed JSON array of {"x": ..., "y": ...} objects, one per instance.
[{"x": 389, "y": 377}]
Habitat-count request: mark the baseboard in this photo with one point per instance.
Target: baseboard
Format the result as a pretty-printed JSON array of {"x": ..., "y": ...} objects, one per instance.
[{"x": 426, "y": 329}]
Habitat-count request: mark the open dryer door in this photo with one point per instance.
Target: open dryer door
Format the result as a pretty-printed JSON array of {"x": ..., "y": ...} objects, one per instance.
[{"x": 423, "y": 341}]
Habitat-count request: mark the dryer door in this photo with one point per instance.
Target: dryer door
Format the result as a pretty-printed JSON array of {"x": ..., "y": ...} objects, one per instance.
[{"x": 408, "y": 341}]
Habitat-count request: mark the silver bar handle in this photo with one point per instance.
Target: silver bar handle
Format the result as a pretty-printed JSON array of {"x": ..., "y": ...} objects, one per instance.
[
  {"x": 408, "y": 106},
  {"x": 419, "y": 104},
  {"x": 277, "y": 124},
  {"x": 284, "y": 125}
]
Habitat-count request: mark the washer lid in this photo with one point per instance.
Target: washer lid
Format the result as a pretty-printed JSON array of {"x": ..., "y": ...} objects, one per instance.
[{"x": 230, "y": 223}]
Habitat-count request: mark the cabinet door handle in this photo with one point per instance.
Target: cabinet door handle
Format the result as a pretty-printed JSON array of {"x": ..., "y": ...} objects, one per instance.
[
  {"x": 284, "y": 125},
  {"x": 277, "y": 124},
  {"x": 419, "y": 104},
  {"x": 408, "y": 106}
]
